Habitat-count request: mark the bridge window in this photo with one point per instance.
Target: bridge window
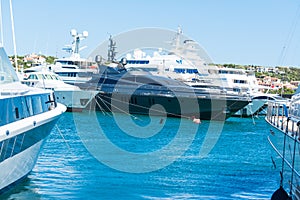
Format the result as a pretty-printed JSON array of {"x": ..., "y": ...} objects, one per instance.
[{"x": 240, "y": 81}]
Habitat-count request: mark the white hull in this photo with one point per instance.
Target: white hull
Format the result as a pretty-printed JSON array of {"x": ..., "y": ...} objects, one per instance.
[
  {"x": 18, "y": 158},
  {"x": 18, "y": 166},
  {"x": 69, "y": 95},
  {"x": 72, "y": 80},
  {"x": 75, "y": 100}
]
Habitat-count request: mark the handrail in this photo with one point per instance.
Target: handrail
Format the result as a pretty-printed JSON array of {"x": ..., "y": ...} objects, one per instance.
[{"x": 280, "y": 155}]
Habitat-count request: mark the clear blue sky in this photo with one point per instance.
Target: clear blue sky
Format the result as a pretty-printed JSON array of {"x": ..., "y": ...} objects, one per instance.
[{"x": 231, "y": 31}]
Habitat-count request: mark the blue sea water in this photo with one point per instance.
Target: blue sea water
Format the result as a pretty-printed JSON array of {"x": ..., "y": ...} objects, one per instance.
[{"x": 207, "y": 161}]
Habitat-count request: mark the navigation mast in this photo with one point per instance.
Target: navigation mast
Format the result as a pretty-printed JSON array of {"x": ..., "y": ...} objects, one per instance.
[{"x": 111, "y": 54}]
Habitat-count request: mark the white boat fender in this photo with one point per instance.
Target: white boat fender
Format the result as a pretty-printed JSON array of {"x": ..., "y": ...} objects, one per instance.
[{"x": 196, "y": 120}]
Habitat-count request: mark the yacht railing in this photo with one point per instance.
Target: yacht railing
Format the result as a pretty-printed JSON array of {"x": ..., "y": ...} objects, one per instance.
[{"x": 280, "y": 115}]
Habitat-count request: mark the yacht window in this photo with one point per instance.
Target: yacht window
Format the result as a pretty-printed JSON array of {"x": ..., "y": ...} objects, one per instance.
[
  {"x": 17, "y": 113},
  {"x": 223, "y": 72},
  {"x": 192, "y": 71},
  {"x": 138, "y": 62},
  {"x": 62, "y": 74},
  {"x": 179, "y": 70},
  {"x": 48, "y": 77},
  {"x": 145, "y": 62},
  {"x": 33, "y": 77},
  {"x": 54, "y": 77},
  {"x": 65, "y": 62},
  {"x": 73, "y": 74},
  {"x": 240, "y": 81}
]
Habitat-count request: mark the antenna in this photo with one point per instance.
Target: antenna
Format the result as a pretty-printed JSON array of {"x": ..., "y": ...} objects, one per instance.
[
  {"x": 177, "y": 37},
  {"x": 77, "y": 37},
  {"x": 13, "y": 34},
  {"x": 111, "y": 54}
]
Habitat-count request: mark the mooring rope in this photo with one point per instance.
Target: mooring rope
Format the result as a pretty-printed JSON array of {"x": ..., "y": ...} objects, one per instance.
[{"x": 139, "y": 106}]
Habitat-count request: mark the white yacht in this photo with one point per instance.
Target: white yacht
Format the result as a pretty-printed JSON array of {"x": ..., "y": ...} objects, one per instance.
[
  {"x": 70, "y": 95},
  {"x": 73, "y": 69},
  {"x": 245, "y": 83},
  {"x": 27, "y": 117}
]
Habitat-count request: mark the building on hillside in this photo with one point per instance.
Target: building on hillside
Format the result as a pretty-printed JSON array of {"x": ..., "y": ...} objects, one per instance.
[
  {"x": 34, "y": 59},
  {"x": 295, "y": 83},
  {"x": 271, "y": 82}
]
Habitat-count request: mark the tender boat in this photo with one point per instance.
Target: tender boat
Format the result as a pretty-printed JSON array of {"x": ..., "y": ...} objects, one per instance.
[
  {"x": 284, "y": 118},
  {"x": 27, "y": 117},
  {"x": 144, "y": 93},
  {"x": 70, "y": 95}
]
